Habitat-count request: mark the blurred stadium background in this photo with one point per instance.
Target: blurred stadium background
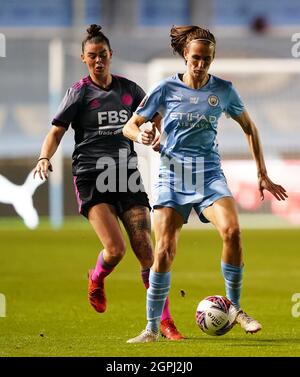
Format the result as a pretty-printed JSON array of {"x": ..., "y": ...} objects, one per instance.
[
  {"x": 254, "y": 50},
  {"x": 43, "y": 273}
]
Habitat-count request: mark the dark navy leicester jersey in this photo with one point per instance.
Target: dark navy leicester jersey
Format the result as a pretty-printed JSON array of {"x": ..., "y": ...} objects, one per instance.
[{"x": 97, "y": 116}]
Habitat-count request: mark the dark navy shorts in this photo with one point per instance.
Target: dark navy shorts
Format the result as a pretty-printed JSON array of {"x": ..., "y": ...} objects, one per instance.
[{"x": 90, "y": 192}]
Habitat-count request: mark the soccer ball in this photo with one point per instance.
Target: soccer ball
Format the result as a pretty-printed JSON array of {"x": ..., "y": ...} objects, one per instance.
[{"x": 215, "y": 315}]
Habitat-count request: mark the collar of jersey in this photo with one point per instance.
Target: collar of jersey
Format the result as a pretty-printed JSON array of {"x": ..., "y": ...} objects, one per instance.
[
  {"x": 204, "y": 87},
  {"x": 100, "y": 87}
]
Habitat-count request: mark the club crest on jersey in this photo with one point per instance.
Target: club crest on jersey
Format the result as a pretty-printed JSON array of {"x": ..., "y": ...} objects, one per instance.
[
  {"x": 213, "y": 100},
  {"x": 94, "y": 104}
]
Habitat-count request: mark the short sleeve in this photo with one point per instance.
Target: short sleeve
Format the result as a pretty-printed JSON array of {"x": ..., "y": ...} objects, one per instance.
[
  {"x": 151, "y": 103},
  {"x": 68, "y": 108},
  {"x": 235, "y": 105},
  {"x": 139, "y": 95}
]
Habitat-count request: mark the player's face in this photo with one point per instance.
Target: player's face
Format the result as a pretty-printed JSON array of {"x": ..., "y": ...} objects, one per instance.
[
  {"x": 199, "y": 56},
  {"x": 97, "y": 57}
]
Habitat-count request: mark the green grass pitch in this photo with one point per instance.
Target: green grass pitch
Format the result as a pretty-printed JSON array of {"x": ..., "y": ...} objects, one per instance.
[{"x": 43, "y": 275}]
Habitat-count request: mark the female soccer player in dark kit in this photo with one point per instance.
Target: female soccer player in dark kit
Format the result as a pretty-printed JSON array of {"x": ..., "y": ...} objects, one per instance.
[{"x": 107, "y": 182}]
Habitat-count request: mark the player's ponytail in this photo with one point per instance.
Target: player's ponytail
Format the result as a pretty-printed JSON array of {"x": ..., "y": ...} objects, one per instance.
[
  {"x": 181, "y": 36},
  {"x": 95, "y": 35}
]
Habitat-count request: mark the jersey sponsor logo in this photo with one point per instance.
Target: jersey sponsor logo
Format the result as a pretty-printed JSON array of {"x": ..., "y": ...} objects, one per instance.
[
  {"x": 194, "y": 100},
  {"x": 193, "y": 120},
  {"x": 112, "y": 117},
  {"x": 193, "y": 116},
  {"x": 111, "y": 130},
  {"x": 213, "y": 100}
]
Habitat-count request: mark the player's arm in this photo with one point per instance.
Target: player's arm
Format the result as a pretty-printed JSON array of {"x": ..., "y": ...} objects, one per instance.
[
  {"x": 264, "y": 182},
  {"x": 132, "y": 129},
  {"x": 49, "y": 147},
  {"x": 157, "y": 121},
  {"x": 156, "y": 141}
]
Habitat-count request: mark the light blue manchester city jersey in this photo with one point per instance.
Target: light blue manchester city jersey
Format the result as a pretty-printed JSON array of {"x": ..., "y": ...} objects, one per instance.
[
  {"x": 191, "y": 115},
  {"x": 190, "y": 170}
]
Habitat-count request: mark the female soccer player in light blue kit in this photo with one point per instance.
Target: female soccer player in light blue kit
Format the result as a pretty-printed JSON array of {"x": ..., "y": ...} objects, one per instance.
[{"x": 190, "y": 170}]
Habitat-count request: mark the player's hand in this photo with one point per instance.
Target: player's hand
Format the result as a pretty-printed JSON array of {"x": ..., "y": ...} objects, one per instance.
[
  {"x": 265, "y": 183},
  {"x": 42, "y": 168},
  {"x": 156, "y": 143},
  {"x": 147, "y": 136}
]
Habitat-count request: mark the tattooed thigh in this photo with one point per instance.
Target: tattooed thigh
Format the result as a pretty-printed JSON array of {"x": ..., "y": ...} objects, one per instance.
[{"x": 137, "y": 221}]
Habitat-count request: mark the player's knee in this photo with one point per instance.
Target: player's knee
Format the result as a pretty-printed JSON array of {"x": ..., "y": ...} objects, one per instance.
[
  {"x": 231, "y": 233},
  {"x": 165, "y": 253},
  {"x": 116, "y": 249}
]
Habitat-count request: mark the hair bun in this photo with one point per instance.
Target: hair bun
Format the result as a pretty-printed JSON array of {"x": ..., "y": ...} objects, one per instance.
[{"x": 94, "y": 30}]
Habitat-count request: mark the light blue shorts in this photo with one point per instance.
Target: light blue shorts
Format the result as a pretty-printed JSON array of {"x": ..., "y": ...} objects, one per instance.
[{"x": 214, "y": 188}]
